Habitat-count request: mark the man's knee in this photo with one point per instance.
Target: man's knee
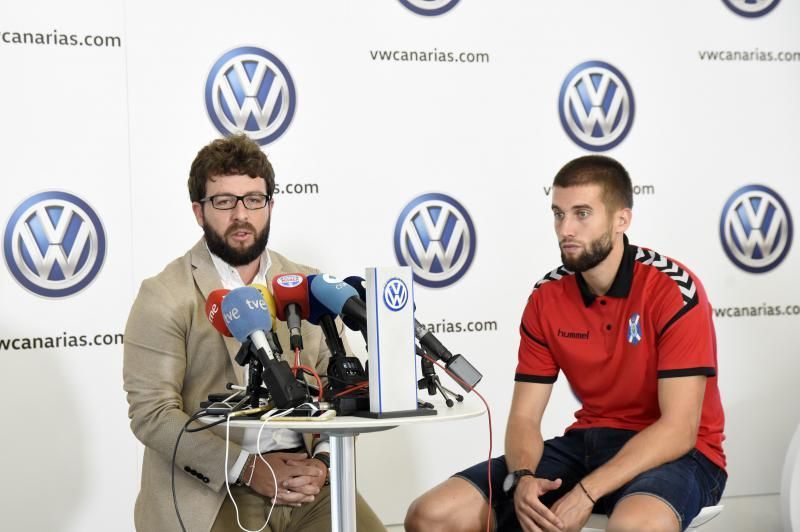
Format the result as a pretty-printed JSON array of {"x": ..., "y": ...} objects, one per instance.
[
  {"x": 643, "y": 513},
  {"x": 453, "y": 505},
  {"x": 427, "y": 512}
]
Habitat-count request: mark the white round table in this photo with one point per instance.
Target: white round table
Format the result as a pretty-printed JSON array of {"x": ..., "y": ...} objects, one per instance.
[{"x": 342, "y": 431}]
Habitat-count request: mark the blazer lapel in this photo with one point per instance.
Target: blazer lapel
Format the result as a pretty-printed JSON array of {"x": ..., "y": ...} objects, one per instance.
[{"x": 207, "y": 280}]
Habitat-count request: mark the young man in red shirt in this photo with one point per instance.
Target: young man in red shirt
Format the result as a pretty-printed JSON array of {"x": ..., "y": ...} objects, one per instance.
[{"x": 632, "y": 331}]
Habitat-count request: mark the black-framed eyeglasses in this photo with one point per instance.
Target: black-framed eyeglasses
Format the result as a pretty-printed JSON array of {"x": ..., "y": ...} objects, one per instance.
[{"x": 227, "y": 202}]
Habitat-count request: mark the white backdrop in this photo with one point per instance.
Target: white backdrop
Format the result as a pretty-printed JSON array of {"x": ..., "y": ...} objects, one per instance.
[{"x": 118, "y": 124}]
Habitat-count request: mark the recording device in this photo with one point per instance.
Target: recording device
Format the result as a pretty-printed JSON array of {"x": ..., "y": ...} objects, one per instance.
[
  {"x": 343, "y": 371},
  {"x": 341, "y": 299},
  {"x": 214, "y": 311},
  {"x": 272, "y": 336},
  {"x": 456, "y": 364},
  {"x": 468, "y": 376},
  {"x": 291, "y": 298},
  {"x": 247, "y": 316},
  {"x": 320, "y": 315},
  {"x": 299, "y": 414}
]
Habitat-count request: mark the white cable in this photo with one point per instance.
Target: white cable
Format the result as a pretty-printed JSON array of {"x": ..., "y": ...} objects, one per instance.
[
  {"x": 228, "y": 485},
  {"x": 274, "y": 478}
]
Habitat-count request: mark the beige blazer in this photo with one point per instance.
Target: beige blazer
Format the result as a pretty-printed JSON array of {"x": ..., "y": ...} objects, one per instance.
[{"x": 173, "y": 359}]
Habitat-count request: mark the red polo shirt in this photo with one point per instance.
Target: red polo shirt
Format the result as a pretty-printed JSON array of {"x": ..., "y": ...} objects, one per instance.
[{"x": 654, "y": 323}]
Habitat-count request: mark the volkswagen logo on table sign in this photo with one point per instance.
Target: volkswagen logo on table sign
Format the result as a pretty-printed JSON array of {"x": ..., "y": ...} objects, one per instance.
[
  {"x": 434, "y": 235},
  {"x": 751, "y": 8},
  {"x": 596, "y": 106},
  {"x": 54, "y": 244},
  {"x": 395, "y": 294},
  {"x": 250, "y": 90},
  {"x": 429, "y": 8},
  {"x": 756, "y": 228}
]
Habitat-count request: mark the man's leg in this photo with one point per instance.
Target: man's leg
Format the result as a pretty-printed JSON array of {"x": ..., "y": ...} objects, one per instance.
[
  {"x": 460, "y": 502},
  {"x": 643, "y": 513},
  {"x": 251, "y": 511},
  {"x": 316, "y": 516},
  {"x": 455, "y": 504},
  {"x": 668, "y": 497}
]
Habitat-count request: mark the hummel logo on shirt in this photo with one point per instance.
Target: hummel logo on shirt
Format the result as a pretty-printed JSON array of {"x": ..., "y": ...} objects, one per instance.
[{"x": 574, "y": 335}]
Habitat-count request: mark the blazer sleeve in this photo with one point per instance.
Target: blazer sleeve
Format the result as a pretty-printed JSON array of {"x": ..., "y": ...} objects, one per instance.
[{"x": 154, "y": 368}]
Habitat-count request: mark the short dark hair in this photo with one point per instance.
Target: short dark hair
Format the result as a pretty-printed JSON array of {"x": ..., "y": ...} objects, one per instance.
[
  {"x": 233, "y": 155},
  {"x": 599, "y": 170}
]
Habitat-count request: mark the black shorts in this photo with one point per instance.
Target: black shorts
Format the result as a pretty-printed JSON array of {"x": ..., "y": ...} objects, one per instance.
[{"x": 686, "y": 485}]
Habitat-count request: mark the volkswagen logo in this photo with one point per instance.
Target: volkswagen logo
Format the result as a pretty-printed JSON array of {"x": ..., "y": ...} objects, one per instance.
[
  {"x": 756, "y": 228},
  {"x": 395, "y": 294},
  {"x": 435, "y": 236},
  {"x": 429, "y": 8},
  {"x": 596, "y": 106},
  {"x": 249, "y": 90},
  {"x": 751, "y": 8},
  {"x": 54, "y": 244}
]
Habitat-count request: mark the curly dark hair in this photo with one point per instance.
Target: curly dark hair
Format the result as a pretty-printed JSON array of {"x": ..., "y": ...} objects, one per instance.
[{"x": 233, "y": 155}]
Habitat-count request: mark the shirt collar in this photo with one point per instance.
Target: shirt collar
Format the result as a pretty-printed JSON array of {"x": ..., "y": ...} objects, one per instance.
[
  {"x": 621, "y": 286},
  {"x": 229, "y": 275}
]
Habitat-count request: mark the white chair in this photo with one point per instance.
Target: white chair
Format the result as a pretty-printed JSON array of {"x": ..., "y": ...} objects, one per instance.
[
  {"x": 790, "y": 486},
  {"x": 597, "y": 523}
]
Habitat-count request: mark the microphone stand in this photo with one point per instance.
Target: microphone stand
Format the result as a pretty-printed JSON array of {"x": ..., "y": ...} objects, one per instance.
[
  {"x": 430, "y": 380},
  {"x": 247, "y": 356}
]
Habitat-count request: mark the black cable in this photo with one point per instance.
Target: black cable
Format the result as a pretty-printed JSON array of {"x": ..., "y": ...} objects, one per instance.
[{"x": 194, "y": 417}]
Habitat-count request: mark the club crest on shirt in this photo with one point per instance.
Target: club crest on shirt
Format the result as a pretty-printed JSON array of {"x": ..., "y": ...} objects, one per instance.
[{"x": 634, "y": 329}]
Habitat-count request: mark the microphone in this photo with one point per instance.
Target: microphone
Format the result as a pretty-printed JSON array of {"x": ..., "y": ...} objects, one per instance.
[
  {"x": 318, "y": 314},
  {"x": 272, "y": 337},
  {"x": 247, "y": 316},
  {"x": 291, "y": 298},
  {"x": 340, "y": 298},
  {"x": 214, "y": 311},
  {"x": 457, "y": 364},
  {"x": 273, "y": 309},
  {"x": 468, "y": 376}
]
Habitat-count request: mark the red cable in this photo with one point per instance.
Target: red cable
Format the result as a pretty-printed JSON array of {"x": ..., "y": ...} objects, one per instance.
[
  {"x": 353, "y": 388},
  {"x": 308, "y": 370},
  {"x": 489, "y": 415}
]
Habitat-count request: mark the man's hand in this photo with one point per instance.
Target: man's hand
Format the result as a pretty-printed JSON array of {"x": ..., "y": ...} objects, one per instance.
[
  {"x": 314, "y": 478},
  {"x": 532, "y": 514},
  {"x": 293, "y": 474},
  {"x": 574, "y": 509}
]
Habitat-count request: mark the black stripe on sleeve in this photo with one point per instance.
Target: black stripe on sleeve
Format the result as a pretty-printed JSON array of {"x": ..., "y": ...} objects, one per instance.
[
  {"x": 686, "y": 372},
  {"x": 541, "y": 379},
  {"x": 529, "y": 335},
  {"x": 686, "y": 308}
]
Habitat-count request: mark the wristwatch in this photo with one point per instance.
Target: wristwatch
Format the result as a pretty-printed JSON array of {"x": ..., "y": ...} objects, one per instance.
[
  {"x": 512, "y": 479},
  {"x": 325, "y": 459}
]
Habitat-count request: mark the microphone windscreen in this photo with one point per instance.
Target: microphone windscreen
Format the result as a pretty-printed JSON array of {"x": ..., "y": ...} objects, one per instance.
[
  {"x": 214, "y": 311},
  {"x": 332, "y": 292},
  {"x": 359, "y": 284},
  {"x": 315, "y": 309},
  {"x": 245, "y": 312},
  {"x": 273, "y": 312},
  {"x": 290, "y": 288}
]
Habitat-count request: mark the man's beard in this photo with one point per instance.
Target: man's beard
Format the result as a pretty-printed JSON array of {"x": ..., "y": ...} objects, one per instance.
[
  {"x": 236, "y": 256},
  {"x": 598, "y": 250}
]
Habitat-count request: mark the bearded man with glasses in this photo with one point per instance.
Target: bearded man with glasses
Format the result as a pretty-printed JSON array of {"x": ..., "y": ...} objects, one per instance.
[{"x": 174, "y": 358}]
